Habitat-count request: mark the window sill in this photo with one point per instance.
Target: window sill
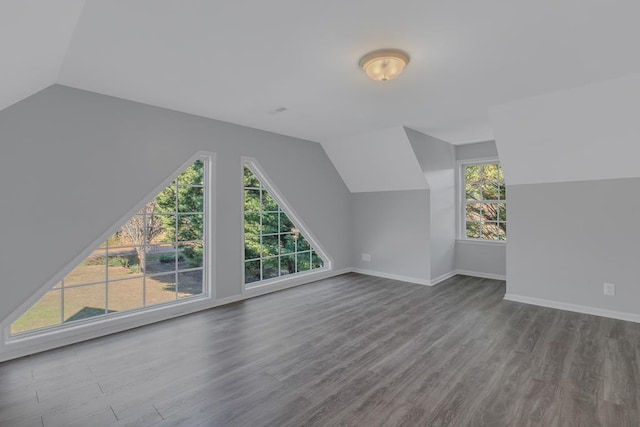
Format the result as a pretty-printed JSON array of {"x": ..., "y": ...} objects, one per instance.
[{"x": 482, "y": 242}]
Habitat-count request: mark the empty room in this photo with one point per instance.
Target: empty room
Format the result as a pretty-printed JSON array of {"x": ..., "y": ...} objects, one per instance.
[{"x": 330, "y": 213}]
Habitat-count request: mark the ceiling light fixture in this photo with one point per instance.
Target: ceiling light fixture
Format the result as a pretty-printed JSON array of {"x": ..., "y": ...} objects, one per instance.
[{"x": 384, "y": 64}]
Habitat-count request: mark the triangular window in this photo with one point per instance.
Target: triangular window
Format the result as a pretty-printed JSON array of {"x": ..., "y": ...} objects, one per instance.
[
  {"x": 157, "y": 256},
  {"x": 275, "y": 244}
]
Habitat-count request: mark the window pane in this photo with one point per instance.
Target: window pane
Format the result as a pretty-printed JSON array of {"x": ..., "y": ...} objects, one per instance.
[
  {"x": 190, "y": 227},
  {"x": 303, "y": 245},
  {"x": 285, "y": 223},
  {"x": 84, "y": 302},
  {"x": 166, "y": 200},
  {"x": 124, "y": 262},
  {"x": 474, "y": 230},
  {"x": 316, "y": 261},
  {"x": 252, "y": 247},
  {"x": 502, "y": 231},
  {"x": 125, "y": 295},
  {"x": 190, "y": 199},
  {"x": 490, "y": 192},
  {"x": 191, "y": 254},
  {"x": 474, "y": 211},
  {"x": 490, "y": 230},
  {"x": 268, "y": 203},
  {"x": 473, "y": 173},
  {"x": 272, "y": 242},
  {"x": 45, "y": 313},
  {"x": 252, "y": 223},
  {"x": 473, "y": 192},
  {"x": 503, "y": 192},
  {"x": 161, "y": 258},
  {"x": 304, "y": 261},
  {"x": 251, "y": 271},
  {"x": 288, "y": 264},
  {"x": 287, "y": 243},
  {"x": 491, "y": 172},
  {"x": 270, "y": 268},
  {"x": 193, "y": 175},
  {"x": 92, "y": 270},
  {"x": 138, "y": 264},
  {"x": 159, "y": 289},
  {"x": 270, "y": 246},
  {"x": 190, "y": 283},
  {"x": 252, "y": 200},
  {"x": 250, "y": 179},
  {"x": 489, "y": 211},
  {"x": 270, "y": 223},
  {"x": 502, "y": 211}
]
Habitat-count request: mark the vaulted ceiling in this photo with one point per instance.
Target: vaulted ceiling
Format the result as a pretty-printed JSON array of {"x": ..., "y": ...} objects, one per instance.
[{"x": 240, "y": 61}]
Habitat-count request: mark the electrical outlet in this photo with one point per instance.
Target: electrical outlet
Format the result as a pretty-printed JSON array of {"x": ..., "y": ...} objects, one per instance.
[
  {"x": 609, "y": 289},
  {"x": 366, "y": 257}
]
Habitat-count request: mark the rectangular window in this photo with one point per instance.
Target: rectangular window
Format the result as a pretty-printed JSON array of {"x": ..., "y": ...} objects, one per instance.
[{"x": 484, "y": 201}]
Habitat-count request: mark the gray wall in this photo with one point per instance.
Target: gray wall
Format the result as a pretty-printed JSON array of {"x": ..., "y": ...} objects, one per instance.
[
  {"x": 72, "y": 163},
  {"x": 437, "y": 160},
  {"x": 478, "y": 150},
  {"x": 480, "y": 258},
  {"x": 393, "y": 227},
  {"x": 567, "y": 239}
]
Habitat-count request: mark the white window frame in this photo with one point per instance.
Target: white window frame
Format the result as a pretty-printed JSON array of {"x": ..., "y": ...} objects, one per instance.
[
  {"x": 293, "y": 216},
  {"x": 462, "y": 205},
  {"x": 42, "y": 339}
]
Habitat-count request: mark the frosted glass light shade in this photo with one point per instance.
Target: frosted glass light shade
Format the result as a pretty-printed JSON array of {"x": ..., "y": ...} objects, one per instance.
[{"x": 383, "y": 65}]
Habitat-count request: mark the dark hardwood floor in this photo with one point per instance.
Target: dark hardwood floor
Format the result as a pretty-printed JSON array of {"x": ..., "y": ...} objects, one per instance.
[{"x": 352, "y": 350}]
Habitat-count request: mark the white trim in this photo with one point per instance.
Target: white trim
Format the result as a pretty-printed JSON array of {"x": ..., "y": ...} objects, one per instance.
[
  {"x": 81, "y": 331},
  {"x": 443, "y": 277},
  {"x": 594, "y": 311},
  {"x": 481, "y": 242},
  {"x": 299, "y": 281},
  {"x": 280, "y": 282},
  {"x": 473, "y": 141},
  {"x": 481, "y": 274},
  {"x": 460, "y": 196},
  {"x": 417, "y": 281}
]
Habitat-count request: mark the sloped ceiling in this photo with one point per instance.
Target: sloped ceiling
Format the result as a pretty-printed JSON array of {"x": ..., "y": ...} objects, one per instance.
[
  {"x": 578, "y": 134},
  {"x": 382, "y": 160},
  {"x": 245, "y": 61},
  {"x": 34, "y": 37}
]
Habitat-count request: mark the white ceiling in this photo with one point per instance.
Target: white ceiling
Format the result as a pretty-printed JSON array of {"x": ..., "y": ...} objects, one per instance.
[
  {"x": 34, "y": 37},
  {"x": 240, "y": 60},
  {"x": 585, "y": 133}
]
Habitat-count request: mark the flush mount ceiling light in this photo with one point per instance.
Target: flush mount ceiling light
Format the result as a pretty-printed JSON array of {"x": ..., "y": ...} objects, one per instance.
[{"x": 384, "y": 64}]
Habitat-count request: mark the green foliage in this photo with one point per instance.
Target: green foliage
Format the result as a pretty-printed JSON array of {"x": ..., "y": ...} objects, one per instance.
[
  {"x": 185, "y": 197},
  {"x": 486, "y": 219},
  {"x": 119, "y": 261},
  {"x": 273, "y": 246},
  {"x": 170, "y": 258}
]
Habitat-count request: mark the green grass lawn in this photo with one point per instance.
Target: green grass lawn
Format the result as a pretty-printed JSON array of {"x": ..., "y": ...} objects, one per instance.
[{"x": 132, "y": 292}]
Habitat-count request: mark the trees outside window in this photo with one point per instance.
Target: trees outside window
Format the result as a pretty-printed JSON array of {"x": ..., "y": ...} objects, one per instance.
[
  {"x": 156, "y": 257},
  {"x": 484, "y": 204},
  {"x": 274, "y": 246}
]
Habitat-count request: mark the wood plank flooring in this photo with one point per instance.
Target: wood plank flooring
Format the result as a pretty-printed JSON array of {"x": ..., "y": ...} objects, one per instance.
[{"x": 350, "y": 351}]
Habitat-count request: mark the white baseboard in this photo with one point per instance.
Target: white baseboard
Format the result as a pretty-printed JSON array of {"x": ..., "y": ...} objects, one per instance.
[
  {"x": 426, "y": 282},
  {"x": 481, "y": 275},
  {"x": 620, "y": 315},
  {"x": 443, "y": 277},
  {"x": 391, "y": 276},
  {"x": 298, "y": 281}
]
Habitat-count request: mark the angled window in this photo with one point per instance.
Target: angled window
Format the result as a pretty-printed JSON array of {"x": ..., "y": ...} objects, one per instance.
[
  {"x": 157, "y": 257},
  {"x": 275, "y": 244},
  {"x": 484, "y": 201}
]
